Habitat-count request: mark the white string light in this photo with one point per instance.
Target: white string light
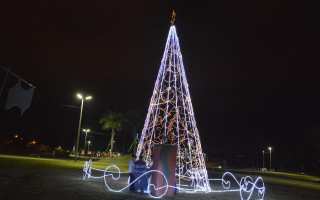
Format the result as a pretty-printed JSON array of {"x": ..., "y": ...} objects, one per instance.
[
  {"x": 115, "y": 175},
  {"x": 246, "y": 186}
]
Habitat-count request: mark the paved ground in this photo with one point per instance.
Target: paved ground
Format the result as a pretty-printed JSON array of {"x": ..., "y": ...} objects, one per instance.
[{"x": 26, "y": 182}]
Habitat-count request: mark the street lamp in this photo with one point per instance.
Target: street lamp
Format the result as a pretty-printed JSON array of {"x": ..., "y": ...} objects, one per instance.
[
  {"x": 262, "y": 159},
  {"x": 82, "y": 100},
  {"x": 85, "y": 139},
  {"x": 89, "y": 142},
  {"x": 270, "y": 156}
]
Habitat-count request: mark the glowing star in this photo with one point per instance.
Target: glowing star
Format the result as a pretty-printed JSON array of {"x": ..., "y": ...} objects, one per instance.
[{"x": 171, "y": 120}]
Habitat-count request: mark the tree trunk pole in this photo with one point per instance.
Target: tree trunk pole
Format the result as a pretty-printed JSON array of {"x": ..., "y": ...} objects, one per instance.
[{"x": 112, "y": 140}]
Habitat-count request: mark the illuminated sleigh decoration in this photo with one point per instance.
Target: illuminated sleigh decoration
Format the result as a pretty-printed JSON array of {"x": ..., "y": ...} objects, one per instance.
[
  {"x": 115, "y": 175},
  {"x": 246, "y": 186}
]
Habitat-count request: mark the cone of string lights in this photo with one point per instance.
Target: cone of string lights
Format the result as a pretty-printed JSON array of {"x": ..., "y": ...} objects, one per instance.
[{"x": 171, "y": 120}]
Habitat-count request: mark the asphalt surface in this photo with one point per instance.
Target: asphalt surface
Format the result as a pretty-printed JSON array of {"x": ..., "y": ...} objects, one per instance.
[{"x": 21, "y": 182}]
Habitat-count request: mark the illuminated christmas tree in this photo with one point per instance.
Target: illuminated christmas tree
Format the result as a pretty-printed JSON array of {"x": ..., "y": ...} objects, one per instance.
[{"x": 171, "y": 120}]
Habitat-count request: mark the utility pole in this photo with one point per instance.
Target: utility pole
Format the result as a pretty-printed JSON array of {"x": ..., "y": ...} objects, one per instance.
[
  {"x": 270, "y": 158},
  {"x": 262, "y": 159},
  {"x": 82, "y": 100},
  {"x": 77, "y": 148}
]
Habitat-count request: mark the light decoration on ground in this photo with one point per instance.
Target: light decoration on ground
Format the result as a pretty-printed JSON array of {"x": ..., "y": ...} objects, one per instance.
[
  {"x": 171, "y": 120},
  {"x": 115, "y": 175},
  {"x": 246, "y": 186}
]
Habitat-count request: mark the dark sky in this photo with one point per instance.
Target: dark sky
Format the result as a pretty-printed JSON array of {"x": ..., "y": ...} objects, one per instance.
[{"x": 252, "y": 66}]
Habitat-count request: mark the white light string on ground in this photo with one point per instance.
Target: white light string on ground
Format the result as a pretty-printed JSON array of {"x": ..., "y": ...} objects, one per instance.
[
  {"x": 115, "y": 175},
  {"x": 246, "y": 186}
]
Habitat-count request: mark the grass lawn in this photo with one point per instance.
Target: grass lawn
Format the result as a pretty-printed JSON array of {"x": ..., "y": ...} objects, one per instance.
[
  {"x": 302, "y": 177},
  {"x": 24, "y": 177},
  {"x": 10, "y": 161},
  {"x": 280, "y": 178},
  {"x": 298, "y": 176},
  {"x": 15, "y": 161}
]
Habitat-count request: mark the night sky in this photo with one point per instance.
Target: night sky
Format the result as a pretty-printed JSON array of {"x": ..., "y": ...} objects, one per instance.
[{"x": 252, "y": 67}]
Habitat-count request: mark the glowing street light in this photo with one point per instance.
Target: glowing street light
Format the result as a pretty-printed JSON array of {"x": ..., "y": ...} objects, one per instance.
[
  {"x": 85, "y": 139},
  {"x": 79, "y": 96},
  {"x": 270, "y": 148},
  {"x": 82, "y": 100}
]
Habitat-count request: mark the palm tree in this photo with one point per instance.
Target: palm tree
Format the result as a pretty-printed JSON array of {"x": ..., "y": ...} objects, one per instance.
[
  {"x": 112, "y": 120},
  {"x": 134, "y": 119},
  {"x": 134, "y": 122}
]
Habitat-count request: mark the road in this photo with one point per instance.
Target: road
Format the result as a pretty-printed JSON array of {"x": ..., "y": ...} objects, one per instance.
[{"x": 42, "y": 182}]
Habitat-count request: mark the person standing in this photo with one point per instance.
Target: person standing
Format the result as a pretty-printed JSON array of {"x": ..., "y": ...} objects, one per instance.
[
  {"x": 140, "y": 169},
  {"x": 131, "y": 171}
]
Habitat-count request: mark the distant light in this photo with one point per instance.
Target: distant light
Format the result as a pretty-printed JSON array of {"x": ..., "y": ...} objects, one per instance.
[
  {"x": 89, "y": 142},
  {"x": 89, "y": 97},
  {"x": 79, "y": 96},
  {"x": 59, "y": 147},
  {"x": 34, "y": 142},
  {"x": 270, "y": 148},
  {"x": 16, "y": 135},
  {"x": 118, "y": 154}
]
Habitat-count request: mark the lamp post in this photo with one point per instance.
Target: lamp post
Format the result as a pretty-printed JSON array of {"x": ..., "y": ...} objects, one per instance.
[
  {"x": 89, "y": 142},
  {"x": 270, "y": 157},
  {"x": 82, "y": 100},
  {"x": 262, "y": 159},
  {"x": 85, "y": 139}
]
